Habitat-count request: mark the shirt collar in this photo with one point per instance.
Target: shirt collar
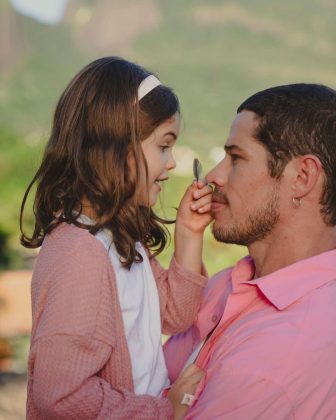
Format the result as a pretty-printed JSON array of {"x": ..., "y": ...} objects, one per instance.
[{"x": 285, "y": 286}]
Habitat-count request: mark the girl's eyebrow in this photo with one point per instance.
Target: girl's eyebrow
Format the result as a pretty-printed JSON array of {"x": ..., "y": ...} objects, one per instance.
[{"x": 171, "y": 133}]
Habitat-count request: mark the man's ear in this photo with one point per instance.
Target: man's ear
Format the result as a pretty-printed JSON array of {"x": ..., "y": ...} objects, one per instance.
[{"x": 307, "y": 171}]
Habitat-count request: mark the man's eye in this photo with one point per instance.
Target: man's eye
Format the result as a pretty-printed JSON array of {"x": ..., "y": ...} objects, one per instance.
[{"x": 234, "y": 157}]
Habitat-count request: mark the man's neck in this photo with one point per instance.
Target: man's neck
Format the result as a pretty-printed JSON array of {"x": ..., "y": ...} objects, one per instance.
[{"x": 285, "y": 247}]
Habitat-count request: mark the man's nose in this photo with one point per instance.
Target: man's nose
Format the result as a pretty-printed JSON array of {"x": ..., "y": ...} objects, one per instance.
[{"x": 217, "y": 175}]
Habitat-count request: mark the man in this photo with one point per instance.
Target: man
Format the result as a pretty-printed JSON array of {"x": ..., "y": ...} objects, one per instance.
[{"x": 269, "y": 323}]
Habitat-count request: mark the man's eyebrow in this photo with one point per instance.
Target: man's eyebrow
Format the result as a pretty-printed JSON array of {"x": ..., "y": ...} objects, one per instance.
[{"x": 233, "y": 148}]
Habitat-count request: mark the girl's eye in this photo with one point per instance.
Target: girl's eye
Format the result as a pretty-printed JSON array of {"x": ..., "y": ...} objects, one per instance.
[{"x": 163, "y": 148}]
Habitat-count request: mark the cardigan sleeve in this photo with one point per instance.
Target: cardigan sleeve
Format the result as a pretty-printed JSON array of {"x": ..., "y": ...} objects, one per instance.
[
  {"x": 66, "y": 384},
  {"x": 76, "y": 330},
  {"x": 180, "y": 293}
]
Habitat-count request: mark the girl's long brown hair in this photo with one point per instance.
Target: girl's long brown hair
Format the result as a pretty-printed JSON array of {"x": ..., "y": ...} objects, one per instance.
[{"x": 97, "y": 124}]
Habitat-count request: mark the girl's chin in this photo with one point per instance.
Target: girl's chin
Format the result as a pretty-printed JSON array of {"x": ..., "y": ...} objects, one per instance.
[
  {"x": 154, "y": 194},
  {"x": 157, "y": 186},
  {"x": 152, "y": 201}
]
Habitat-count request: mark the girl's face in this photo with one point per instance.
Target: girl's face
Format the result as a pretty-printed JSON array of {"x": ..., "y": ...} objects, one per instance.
[{"x": 157, "y": 149}]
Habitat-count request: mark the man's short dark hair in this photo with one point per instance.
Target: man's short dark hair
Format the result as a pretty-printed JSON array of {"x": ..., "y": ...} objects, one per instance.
[{"x": 295, "y": 120}]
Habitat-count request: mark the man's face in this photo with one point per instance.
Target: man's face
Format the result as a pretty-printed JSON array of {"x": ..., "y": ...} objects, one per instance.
[{"x": 246, "y": 198}]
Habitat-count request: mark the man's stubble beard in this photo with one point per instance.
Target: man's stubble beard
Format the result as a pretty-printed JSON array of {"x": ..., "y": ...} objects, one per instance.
[{"x": 257, "y": 225}]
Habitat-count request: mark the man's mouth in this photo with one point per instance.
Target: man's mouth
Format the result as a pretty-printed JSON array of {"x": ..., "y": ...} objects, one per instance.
[{"x": 219, "y": 198}]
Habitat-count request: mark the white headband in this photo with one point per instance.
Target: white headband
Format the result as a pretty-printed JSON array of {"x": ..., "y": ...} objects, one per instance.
[{"x": 147, "y": 85}]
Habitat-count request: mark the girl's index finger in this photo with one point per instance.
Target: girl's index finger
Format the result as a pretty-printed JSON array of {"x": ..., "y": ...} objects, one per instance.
[
  {"x": 201, "y": 183},
  {"x": 203, "y": 190}
]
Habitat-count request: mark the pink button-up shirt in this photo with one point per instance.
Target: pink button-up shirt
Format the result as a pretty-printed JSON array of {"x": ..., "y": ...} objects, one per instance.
[{"x": 273, "y": 354}]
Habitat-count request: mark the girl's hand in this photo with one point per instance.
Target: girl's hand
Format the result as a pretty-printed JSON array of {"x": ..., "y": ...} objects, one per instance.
[
  {"x": 193, "y": 216},
  {"x": 194, "y": 209},
  {"x": 185, "y": 384}
]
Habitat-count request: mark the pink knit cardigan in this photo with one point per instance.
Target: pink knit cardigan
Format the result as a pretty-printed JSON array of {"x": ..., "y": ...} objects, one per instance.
[{"x": 79, "y": 365}]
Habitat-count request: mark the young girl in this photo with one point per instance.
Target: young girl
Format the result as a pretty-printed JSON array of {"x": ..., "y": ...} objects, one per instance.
[{"x": 100, "y": 299}]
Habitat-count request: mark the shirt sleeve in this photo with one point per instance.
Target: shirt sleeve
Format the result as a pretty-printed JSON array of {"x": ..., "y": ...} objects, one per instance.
[
  {"x": 241, "y": 396},
  {"x": 180, "y": 293}
]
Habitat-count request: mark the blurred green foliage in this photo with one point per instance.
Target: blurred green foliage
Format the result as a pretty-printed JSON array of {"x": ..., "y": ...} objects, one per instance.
[
  {"x": 4, "y": 252},
  {"x": 213, "y": 53}
]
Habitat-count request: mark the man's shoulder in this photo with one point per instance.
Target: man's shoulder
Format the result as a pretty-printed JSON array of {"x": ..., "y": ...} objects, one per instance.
[
  {"x": 220, "y": 276},
  {"x": 224, "y": 276},
  {"x": 218, "y": 284}
]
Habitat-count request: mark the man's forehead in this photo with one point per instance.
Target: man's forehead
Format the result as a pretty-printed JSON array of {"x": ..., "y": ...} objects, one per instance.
[{"x": 242, "y": 130}]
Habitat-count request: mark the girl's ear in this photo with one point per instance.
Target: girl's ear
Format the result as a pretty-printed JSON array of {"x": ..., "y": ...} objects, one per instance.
[{"x": 306, "y": 171}]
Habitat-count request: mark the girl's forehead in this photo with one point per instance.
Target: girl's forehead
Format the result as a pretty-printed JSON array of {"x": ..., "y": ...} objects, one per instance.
[
  {"x": 172, "y": 125},
  {"x": 168, "y": 130}
]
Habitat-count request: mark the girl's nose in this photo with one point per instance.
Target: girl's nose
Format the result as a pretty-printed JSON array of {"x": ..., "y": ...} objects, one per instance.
[{"x": 171, "y": 164}]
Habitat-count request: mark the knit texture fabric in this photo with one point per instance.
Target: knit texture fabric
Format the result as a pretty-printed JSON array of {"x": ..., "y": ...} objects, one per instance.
[{"x": 79, "y": 365}]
